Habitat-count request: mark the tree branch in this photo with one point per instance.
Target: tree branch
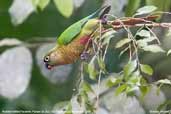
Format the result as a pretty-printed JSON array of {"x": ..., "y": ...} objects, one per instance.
[{"x": 164, "y": 25}]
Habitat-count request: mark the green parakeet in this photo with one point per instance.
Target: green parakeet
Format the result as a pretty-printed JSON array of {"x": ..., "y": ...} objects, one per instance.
[{"x": 72, "y": 42}]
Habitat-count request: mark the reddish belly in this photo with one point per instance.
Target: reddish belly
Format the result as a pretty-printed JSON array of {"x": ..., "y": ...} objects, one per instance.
[{"x": 84, "y": 40}]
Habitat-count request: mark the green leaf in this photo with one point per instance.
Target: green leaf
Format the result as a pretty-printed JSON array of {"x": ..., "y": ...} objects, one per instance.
[
  {"x": 65, "y": 7},
  {"x": 69, "y": 109},
  {"x": 120, "y": 89},
  {"x": 132, "y": 6},
  {"x": 40, "y": 3},
  {"x": 144, "y": 90},
  {"x": 144, "y": 33},
  {"x": 131, "y": 89},
  {"x": 43, "y": 3},
  {"x": 169, "y": 52},
  {"x": 149, "y": 39},
  {"x": 135, "y": 78},
  {"x": 35, "y": 2},
  {"x": 129, "y": 68},
  {"x": 164, "y": 81},
  {"x": 91, "y": 69},
  {"x": 144, "y": 42},
  {"x": 136, "y": 73},
  {"x": 153, "y": 48},
  {"x": 84, "y": 96},
  {"x": 122, "y": 42},
  {"x": 107, "y": 36},
  {"x": 143, "y": 81},
  {"x": 113, "y": 81},
  {"x": 146, "y": 10},
  {"x": 87, "y": 87},
  {"x": 160, "y": 4},
  {"x": 146, "y": 69}
]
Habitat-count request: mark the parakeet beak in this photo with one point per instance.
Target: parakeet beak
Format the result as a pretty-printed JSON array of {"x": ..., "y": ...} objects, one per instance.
[{"x": 49, "y": 67}]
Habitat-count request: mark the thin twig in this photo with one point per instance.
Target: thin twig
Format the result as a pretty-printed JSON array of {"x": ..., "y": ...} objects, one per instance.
[
  {"x": 154, "y": 35},
  {"x": 164, "y": 25},
  {"x": 100, "y": 73}
]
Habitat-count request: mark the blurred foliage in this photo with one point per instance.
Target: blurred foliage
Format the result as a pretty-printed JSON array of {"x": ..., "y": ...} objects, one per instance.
[
  {"x": 42, "y": 23},
  {"x": 133, "y": 5},
  {"x": 46, "y": 23},
  {"x": 50, "y": 18}
]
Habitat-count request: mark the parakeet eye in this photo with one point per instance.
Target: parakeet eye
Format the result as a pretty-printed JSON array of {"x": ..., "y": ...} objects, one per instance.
[{"x": 46, "y": 59}]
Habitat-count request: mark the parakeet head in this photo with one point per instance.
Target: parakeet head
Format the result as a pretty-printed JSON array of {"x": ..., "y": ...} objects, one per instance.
[{"x": 51, "y": 59}]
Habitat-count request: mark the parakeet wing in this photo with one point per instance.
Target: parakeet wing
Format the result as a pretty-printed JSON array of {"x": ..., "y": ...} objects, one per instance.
[
  {"x": 72, "y": 31},
  {"x": 69, "y": 34}
]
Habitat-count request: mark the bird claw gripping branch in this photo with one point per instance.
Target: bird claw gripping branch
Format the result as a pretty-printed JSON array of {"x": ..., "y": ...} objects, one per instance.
[{"x": 84, "y": 55}]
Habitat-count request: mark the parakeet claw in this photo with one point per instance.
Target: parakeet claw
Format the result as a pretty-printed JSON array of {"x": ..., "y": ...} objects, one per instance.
[
  {"x": 84, "y": 55},
  {"x": 104, "y": 19}
]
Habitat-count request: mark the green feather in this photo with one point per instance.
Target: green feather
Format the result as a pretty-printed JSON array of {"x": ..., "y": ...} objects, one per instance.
[{"x": 72, "y": 31}]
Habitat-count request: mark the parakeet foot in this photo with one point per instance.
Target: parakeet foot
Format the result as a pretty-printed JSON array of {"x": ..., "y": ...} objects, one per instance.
[
  {"x": 104, "y": 19},
  {"x": 84, "y": 55}
]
